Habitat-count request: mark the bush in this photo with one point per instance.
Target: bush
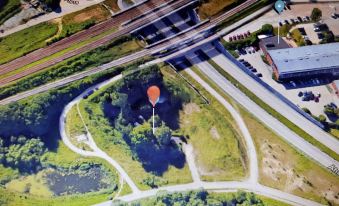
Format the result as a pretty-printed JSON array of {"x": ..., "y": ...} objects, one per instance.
[
  {"x": 316, "y": 14},
  {"x": 267, "y": 29}
]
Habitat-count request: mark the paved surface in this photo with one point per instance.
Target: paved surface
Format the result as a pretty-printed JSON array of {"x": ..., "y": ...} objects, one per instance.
[
  {"x": 66, "y": 8},
  {"x": 274, "y": 102},
  {"x": 81, "y": 36},
  {"x": 60, "y": 45},
  {"x": 271, "y": 17},
  {"x": 72, "y": 78},
  {"x": 231, "y": 186},
  {"x": 97, "y": 152}
]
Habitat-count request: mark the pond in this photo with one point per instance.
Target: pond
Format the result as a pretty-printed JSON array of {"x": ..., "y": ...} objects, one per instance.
[{"x": 79, "y": 181}]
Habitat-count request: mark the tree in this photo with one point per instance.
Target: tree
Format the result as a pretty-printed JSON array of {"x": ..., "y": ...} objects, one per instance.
[
  {"x": 316, "y": 14},
  {"x": 322, "y": 118},
  {"x": 267, "y": 29},
  {"x": 163, "y": 135}
]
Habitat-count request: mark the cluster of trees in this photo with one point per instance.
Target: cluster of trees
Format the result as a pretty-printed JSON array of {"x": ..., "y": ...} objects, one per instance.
[
  {"x": 22, "y": 153},
  {"x": 127, "y": 106},
  {"x": 200, "y": 197},
  {"x": 251, "y": 40},
  {"x": 8, "y": 8},
  {"x": 53, "y": 4}
]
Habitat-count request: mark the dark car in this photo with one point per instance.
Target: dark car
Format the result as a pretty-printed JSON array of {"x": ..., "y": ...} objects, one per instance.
[
  {"x": 299, "y": 18},
  {"x": 320, "y": 35},
  {"x": 259, "y": 75},
  {"x": 300, "y": 94},
  {"x": 246, "y": 64},
  {"x": 254, "y": 70},
  {"x": 241, "y": 60},
  {"x": 287, "y": 22}
]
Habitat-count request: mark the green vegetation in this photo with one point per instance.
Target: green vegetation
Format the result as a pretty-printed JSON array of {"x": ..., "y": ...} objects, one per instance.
[
  {"x": 283, "y": 30},
  {"x": 22, "y": 154},
  {"x": 53, "y": 4},
  {"x": 39, "y": 116},
  {"x": 202, "y": 197},
  {"x": 210, "y": 8},
  {"x": 282, "y": 166},
  {"x": 221, "y": 153},
  {"x": 275, "y": 114},
  {"x": 122, "y": 111},
  {"x": 297, "y": 37},
  {"x": 25, "y": 41},
  {"x": 316, "y": 14},
  {"x": 80, "y": 20},
  {"x": 9, "y": 8},
  {"x": 101, "y": 55}
]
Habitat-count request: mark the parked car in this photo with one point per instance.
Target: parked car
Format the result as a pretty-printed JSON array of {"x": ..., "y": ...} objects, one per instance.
[
  {"x": 254, "y": 70},
  {"x": 280, "y": 23},
  {"x": 259, "y": 75},
  {"x": 300, "y": 19},
  {"x": 334, "y": 16},
  {"x": 286, "y": 22},
  {"x": 333, "y": 105},
  {"x": 241, "y": 60},
  {"x": 320, "y": 35}
]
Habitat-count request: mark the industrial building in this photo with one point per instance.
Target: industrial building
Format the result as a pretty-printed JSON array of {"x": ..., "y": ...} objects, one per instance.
[{"x": 305, "y": 62}]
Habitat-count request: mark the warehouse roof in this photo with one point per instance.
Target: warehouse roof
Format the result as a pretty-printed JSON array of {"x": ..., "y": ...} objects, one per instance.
[{"x": 307, "y": 58}]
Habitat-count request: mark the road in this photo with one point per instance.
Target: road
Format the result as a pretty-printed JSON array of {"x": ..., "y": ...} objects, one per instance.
[
  {"x": 97, "y": 152},
  {"x": 120, "y": 61},
  {"x": 81, "y": 36},
  {"x": 283, "y": 131},
  {"x": 230, "y": 186},
  {"x": 97, "y": 29}
]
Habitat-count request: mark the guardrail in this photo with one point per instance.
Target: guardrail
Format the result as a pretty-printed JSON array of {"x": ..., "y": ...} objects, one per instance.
[{"x": 222, "y": 49}]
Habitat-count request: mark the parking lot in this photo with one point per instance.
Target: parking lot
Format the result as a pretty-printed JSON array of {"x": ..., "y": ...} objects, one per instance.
[
  {"x": 327, "y": 95},
  {"x": 300, "y": 10}
]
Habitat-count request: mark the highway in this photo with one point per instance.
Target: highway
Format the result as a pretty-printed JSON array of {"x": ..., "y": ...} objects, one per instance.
[
  {"x": 81, "y": 36},
  {"x": 128, "y": 58},
  {"x": 283, "y": 131},
  {"x": 63, "y": 44}
]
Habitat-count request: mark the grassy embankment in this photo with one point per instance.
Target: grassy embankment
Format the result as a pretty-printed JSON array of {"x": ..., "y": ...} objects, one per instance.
[
  {"x": 275, "y": 114},
  {"x": 9, "y": 8},
  {"x": 24, "y": 41},
  {"x": 210, "y": 8},
  {"x": 280, "y": 165},
  {"x": 20, "y": 43},
  {"x": 101, "y": 55}
]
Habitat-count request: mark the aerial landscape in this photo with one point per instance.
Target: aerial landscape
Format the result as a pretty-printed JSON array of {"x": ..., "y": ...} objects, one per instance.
[{"x": 169, "y": 102}]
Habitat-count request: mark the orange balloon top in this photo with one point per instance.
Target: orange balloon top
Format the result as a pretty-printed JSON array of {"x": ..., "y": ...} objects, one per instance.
[{"x": 153, "y": 93}]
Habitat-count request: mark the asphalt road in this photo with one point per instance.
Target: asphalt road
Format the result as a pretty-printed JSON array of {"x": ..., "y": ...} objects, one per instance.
[
  {"x": 81, "y": 36},
  {"x": 65, "y": 43},
  {"x": 295, "y": 140}
]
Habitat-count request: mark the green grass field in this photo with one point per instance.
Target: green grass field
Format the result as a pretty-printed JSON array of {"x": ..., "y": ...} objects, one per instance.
[
  {"x": 275, "y": 114},
  {"x": 25, "y": 41},
  {"x": 219, "y": 147},
  {"x": 289, "y": 166},
  {"x": 9, "y": 8}
]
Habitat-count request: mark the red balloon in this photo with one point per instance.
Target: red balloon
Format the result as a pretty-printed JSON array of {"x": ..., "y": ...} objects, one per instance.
[{"x": 153, "y": 93}]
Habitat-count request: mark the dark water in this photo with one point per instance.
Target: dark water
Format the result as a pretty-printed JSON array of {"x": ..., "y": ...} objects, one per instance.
[{"x": 71, "y": 182}]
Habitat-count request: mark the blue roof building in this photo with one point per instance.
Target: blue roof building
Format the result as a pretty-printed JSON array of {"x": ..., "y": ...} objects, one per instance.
[{"x": 305, "y": 61}]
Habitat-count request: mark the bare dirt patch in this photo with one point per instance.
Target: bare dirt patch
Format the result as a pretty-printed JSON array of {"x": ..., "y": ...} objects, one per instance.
[
  {"x": 96, "y": 12},
  {"x": 214, "y": 132},
  {"x": 190, "y": 108}
]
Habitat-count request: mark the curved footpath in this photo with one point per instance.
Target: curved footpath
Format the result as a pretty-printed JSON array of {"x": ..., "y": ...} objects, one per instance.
[
  {"x": 249, "y": 185},
  {"x": 96, "y": 151}
]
